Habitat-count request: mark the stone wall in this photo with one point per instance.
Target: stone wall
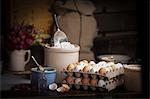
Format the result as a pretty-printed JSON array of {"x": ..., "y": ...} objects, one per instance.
[
  {"x": 118, "y": 20},
  {"x": 33, "y": 12},
  {"x": 114, "y": 18}
]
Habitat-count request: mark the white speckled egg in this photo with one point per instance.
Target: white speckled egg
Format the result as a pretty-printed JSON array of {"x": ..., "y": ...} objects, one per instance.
[
  {"x": 101, "y": 83},
  {"x": 78, "y": 81},
  {"x": 92, "y": 63},
  {"x": 78, "y": 68}
]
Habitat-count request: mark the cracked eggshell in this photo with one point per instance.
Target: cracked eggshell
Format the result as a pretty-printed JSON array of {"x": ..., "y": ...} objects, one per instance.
[
  {"x": 53, "y": 86},
  {"x": 67, "y": 88},
  {"x": 61, "y": 89}
]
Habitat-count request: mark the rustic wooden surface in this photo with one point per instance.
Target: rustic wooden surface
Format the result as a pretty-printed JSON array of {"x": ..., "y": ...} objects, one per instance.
[{"x": 24, "y": 90}]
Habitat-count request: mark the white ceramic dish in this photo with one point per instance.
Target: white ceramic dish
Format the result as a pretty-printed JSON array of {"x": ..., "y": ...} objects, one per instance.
[
  {"x": 115, "y": 57},
  {"x": 133, "y": 67}
]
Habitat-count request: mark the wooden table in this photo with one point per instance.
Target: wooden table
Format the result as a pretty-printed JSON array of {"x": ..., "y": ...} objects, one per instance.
[
  {"x": 118, "y": 93},
  {"x": 24, "y": 91}
]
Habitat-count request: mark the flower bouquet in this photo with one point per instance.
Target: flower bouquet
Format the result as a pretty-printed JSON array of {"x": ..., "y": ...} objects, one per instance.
[
  {"x": 20, "y": 40},
  {"x": 23, "y": 36}
]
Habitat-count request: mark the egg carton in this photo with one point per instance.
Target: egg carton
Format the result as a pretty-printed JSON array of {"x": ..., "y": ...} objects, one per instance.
[
  {"x": 90, "y": 69},
  {"x": 94, "y": 84},
  {"x": 108, "y": 75}
]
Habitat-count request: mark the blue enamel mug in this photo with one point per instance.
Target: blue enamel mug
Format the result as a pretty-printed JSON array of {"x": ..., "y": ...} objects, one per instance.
[{"x": 41, "y": 80}]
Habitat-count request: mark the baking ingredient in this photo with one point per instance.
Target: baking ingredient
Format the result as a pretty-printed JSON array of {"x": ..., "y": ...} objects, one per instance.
[
  {"x": 70, "y": 80},
  {"x": 101, "y": 83},
  {"x": 53, "y": 86},
  {"x": 93, "y": 82}
]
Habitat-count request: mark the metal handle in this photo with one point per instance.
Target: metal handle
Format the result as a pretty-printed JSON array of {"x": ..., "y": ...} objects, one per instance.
[
  {"x": 35, "y": 61},
  {"x": 56, "y": 21}
]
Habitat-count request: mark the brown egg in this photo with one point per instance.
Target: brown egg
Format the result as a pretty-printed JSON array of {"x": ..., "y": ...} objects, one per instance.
[
  {"x": 93, "y": 82},
  {"x": 75, "y": 64},
  {"x": 85, "y": 81},
  {"x": 70, "y": 80},
  {"x": 85, "y": 75},
  {"x": 78, "y": 81},
  {"x": 85, "y": 61},
  {"x": 102, "y": 71},
  {"x": 87, "y": 68},
  {"x": 70, "y": 67}
]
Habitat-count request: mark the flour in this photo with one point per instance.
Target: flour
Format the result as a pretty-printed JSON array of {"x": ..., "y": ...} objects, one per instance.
[{"x": 64, "y": 45}]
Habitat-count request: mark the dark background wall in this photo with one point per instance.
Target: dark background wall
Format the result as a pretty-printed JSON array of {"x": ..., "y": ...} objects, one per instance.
[
  {"x": 123, "y": 29},
  {"x": 117, "y": 23}
]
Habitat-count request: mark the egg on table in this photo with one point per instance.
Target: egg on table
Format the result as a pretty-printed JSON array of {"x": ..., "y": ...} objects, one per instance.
[
  {"x": 67, "y": 88},
  {"x": 53, "y": 86}
]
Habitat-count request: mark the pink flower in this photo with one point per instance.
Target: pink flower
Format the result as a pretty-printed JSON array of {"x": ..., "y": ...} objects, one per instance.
[{"x": 23, "y": 36}]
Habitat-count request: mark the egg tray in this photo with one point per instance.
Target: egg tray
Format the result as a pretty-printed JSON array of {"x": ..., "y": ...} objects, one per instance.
[
  {"x": 87, "y": 88},
  {"x": 92, "y": 88},
  {"x": 114, "y": 78},
  {"x": 111, "y": 84},
  {"x": 90, "y": 75}
]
